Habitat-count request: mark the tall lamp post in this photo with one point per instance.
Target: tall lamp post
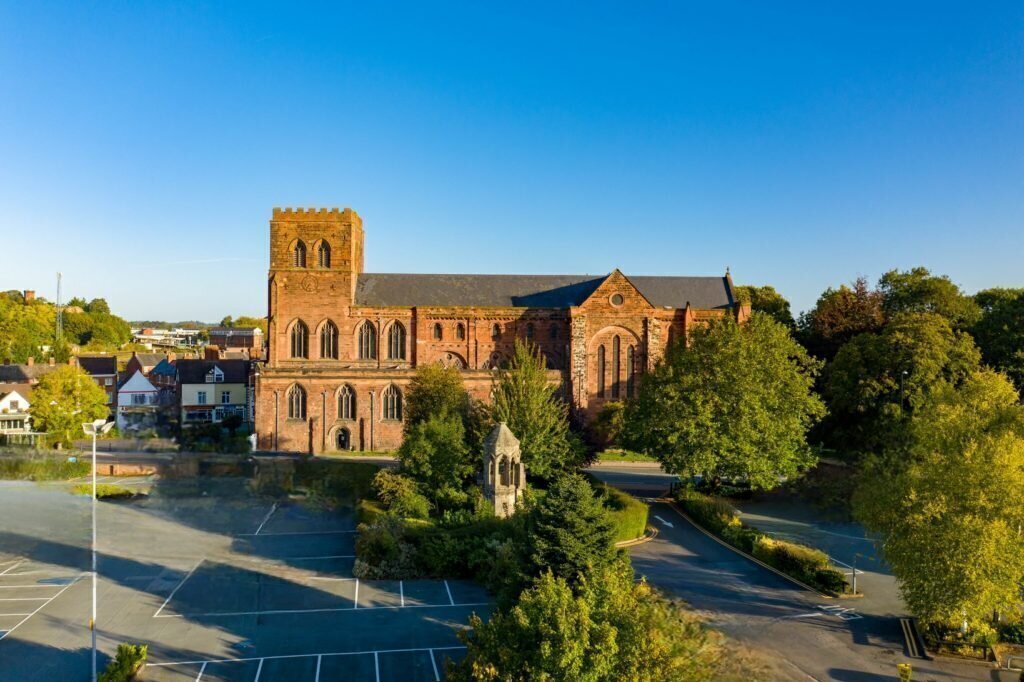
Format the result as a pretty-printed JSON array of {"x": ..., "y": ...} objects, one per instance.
[{"x": 95, "y": 429}]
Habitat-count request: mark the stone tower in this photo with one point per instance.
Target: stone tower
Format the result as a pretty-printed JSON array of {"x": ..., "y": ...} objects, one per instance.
[{"x": 504, "y": 474}]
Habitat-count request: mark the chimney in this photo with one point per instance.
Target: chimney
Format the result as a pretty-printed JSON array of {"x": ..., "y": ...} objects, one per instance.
[
  {"x": 29, "y": 295},
  {"x": 171, "y": 356},
  {"x": 30, "y": 362},
  {"x": 52, "y": 361}
]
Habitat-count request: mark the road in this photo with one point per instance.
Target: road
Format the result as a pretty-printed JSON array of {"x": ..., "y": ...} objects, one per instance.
[{"x": 815, "y": 638}]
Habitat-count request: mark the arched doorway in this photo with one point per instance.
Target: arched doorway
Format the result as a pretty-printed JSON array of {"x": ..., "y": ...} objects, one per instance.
[{"x": 343, "y": 439}]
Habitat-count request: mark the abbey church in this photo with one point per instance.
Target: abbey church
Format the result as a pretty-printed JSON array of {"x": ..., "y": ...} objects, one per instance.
[{"x": 344, "y": 343}]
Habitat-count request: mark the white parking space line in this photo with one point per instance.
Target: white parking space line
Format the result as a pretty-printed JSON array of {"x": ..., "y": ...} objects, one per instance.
[
  {"x": 311, "y": 558},
  {"x": 324, "y": 577},
  {"x": 259, "y": 669},
  {"x": 12, "y": 567},
  {"x": 24, "y": 599},
  {"x": 401, "y": 592},
  {"x": 433, "y": 664},
  {"x": 201, "y": 671},
  {"x": 35, "y": 586},
  {"x": 355, "y": 601},
  {"x": 446, "y": 589},
  {"x": 273, "y": 508},
  {"x": 40, "y": 607},
  {"x": 166, "y": 664},
  {"x": 177, "y": 587},
  {"x": 319, "y": 659},
  {"x": 376, "y": 665},
  {"x": 299, "y": 532},
  {"x": 278, "y": 612}
]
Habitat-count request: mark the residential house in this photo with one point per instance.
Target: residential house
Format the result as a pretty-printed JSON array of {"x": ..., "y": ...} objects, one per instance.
[
  {"x": 15, "y": 422},
  {"x": 28, "y": 373},
  {"x": 210, "y": 390},
  {"x": 238, "y": 338},
  {"x": 137, "y": 404},
  {"x": 144, "y": 362},
  {"x": 103, "y": 370}
]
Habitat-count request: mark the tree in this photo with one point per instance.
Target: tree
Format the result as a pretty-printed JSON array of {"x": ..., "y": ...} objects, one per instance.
[
  {"x": 570, "y": 533},
  {"x": 839, "y": 315},
  {"x": 65, "y": 399},
  {"x": 609, "y": 628},
  {"x": 766, "y": 299},
  {"x": 919, "y": 291},
  {"x": 524, "y": 398},
  {"x": 868, "y": 393},
  {"x": 735, "y": 402},
  {"x": 246, "y": 321},
  {"x": 1000, "y": 331},
  {"x": 435, "y": 390},
  {"x": 98, "y": 305},
  {"x": 434, "y": 454},
  {"x": 606, "y": 429},
  {"x": 950, "y": 516},
  {"x": 227, "y": 321}
]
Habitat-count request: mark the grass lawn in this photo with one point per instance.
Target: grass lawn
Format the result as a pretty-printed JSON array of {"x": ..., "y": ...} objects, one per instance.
[
  {"x": 624, "y": 456},
  {"x": 358, "y": 453}
]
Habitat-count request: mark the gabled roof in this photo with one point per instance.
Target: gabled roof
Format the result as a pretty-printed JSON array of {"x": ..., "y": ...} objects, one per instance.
[
  {"x": 98, "y": 364},
  {"x": 164, "y": 368},
  {"x": 531, "y": 291},
  {"x": 23, "y": 374},
  {"x": 137, "y": 383},
  {"x": 150, "y": 359},
  {"x": 23, "y": 390},
  {"x": 194, "y": 371},
  {"x": 500, "y": 437}
]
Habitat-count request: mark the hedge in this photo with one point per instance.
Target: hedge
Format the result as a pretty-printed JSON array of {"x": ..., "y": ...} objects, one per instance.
[
  {"x": 43, "y": 468},
  {"x": 628, "y": 514},
  {"x": 804, "y": 563},
  {"x": 104, "y": 491}
]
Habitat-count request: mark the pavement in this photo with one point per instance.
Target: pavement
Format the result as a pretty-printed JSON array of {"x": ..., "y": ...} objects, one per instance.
[
  {"x": 218, "y": 582},
  {"x": 801, "y": 635}
]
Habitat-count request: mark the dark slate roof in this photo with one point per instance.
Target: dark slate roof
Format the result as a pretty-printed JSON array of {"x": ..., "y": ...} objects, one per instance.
[
  {"x": 531, "y": 291},
  {"x": 23, "y": 374},
  {"x": 98, "y": 364},
  {"x": 194, "y": 371},
  {"x": 164, "y": 368},
  {"x": 150, "y": 359}
]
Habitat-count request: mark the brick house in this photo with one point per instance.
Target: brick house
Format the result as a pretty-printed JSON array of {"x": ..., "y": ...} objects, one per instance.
[
  {"x": 343, "y": 343},
  {"x": 103, "y": 370},
  {"x": 249, "y": 339}
]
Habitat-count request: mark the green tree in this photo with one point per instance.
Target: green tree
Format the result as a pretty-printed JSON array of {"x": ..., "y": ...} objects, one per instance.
[
  {"x": 767, "y": 300},
  {"x": 570, "y": 533},
  {"x": 98, "y": 305},
  {"x": 434, "y": 454},
  {"x": 1000, "y": 331},
  {"x": 950, "y": 516},
  {"x": 919, "y": 291},
  {"x": 838, "y": 316},
  {"x": 736, "y": 402},
  {"x": 435, "y": 390},
  {"x": 524, "y": 398},
  {"x": 25, "y": 328},
  {"x": 249, "y": 322},
  {"x": 227, "y": 322},
  {"x": 863, "y": 383},
  {"x": 608, "y": 424},
  {"x": 65, "y": 399}
]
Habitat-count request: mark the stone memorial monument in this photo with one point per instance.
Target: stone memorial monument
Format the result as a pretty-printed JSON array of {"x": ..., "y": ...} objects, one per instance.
[{"x": 504, "y": 474}]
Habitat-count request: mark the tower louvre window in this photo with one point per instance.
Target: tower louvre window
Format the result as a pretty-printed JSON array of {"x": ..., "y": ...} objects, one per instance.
[{"x": 367, "y": 341}]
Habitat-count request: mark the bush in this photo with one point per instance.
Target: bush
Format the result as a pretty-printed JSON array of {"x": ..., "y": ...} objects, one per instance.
[
  {"x": 710, "y": 512},
  {"x": 104, "y": 491},
  {"x": 628, "y": 514},
  {"x": 384, "y": 552},
  {"x": 43, "y": 468},
  {"x": 123, "y": 667},
  {"x": 795, "y": 560},
  {"x": 400, "y": 495},
  {"x": 335, "y": 483},
  {"x": 1012, "y": 634}
]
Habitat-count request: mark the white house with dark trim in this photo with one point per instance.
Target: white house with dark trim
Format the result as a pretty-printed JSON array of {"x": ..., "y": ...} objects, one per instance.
[{"x": 137, "y": 403}]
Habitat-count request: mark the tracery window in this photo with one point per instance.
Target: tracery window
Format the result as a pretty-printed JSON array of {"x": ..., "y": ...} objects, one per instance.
[
  {"x": 299, "y": 255},
  {"x": 296, "y": 402},
  {"x": 615, "y": 367},
  {"x": 600, "y": 372},
  {"x": 329, "y": 341},
  {"x": 392, "y": 401},
  {"x": 367, "y": 341},
  {"x": 346, "y": 403},
  {"x": 396, "y": 342},
  {"x": 300, "y": 340},
  {"x": 323, "y": 255}
]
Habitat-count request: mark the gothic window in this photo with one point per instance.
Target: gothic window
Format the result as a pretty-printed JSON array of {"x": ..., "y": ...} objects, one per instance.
[
  {"x": 630, "y": 369},
  {"x": 299, "y": 255},
  {"x": 392, "y": 400},
  {"x": 367, "y": 341},
  {"x": 600, "y": 372},
  {"x": 438, "y": 334},
  {"x": 300, "y": 340},
  {"x": 504, "y": 477},
  {"x": 615, "y": 367},
  {"x": 323, "y": 255},
  {"x": 496, "y": 331},
  {"x": 460, "y": 332},
  {"x": 296, "y": 403},
  {"x": 346, "y": 403},
  {"x": 553, "y": 332},
  {"x": 329, "y": 341},
  {"x": 529, "y": 331},
  {"x": 396, "y": 342}
]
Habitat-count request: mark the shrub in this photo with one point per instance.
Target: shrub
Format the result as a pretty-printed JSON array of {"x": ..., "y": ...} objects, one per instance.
[
  {"x": 400, "y": 495},
  {"x": 104, "y": 491},
  {"x": 710, "y": 512},
  {"x": 628, "y": 514},
  {"x": 335, "y": 482},
  {"x": 123, "y": 667},
  {"x": 384, "y": 551},
  {"x": 1013, "y": 633},
  {"x": 43, "y": 468}
]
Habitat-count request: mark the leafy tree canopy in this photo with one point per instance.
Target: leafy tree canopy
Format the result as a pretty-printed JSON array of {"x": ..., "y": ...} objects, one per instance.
[
  {"x": 950, "y": 517},
  {"x": 65, "y": 399},
  {"x": 435, "y": 390},
  {"x": 839, "y": 315},
  {"x": 1000, "y": 331},
  {"x": 98, "y": 305},
  {"x": 919, "y": 291},
  {"x": 863, "y": 383},
  {"x": 736, "y": 402},
  {"x": 434, "y": 453},
  {"x": 529, "y": 404},
  {"x": 766, "y": 299}
]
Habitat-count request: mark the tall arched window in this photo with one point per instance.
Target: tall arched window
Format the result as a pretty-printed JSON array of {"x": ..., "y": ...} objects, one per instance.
[
  {"x": 299, "y": 255},
  {"x": 496, "y": 331},
  {"x": 392, "y": 400},
  {"x": 600, "y": 372},
  {"x": 553, "y": 332},
  {"x": 460, "y": 332},
  {"x": 630, "y": 369},
  {"x": 346, "y": 403},
  {"x": 615, "y": 367},
  {"x": 529, "y": 331},
  {"x": 296, "y": 403},
  {"x": 323, "y": 255},
  {"x": 396, "y": 342},
  {"x": 329, "y": 341},
  {"x": 300, "y": 340},
  {"x": 367, "y": 341},
  {"x": 438, "y": 334}
]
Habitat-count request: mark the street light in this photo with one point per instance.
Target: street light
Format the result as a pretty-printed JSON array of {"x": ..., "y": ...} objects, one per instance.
[{"x": 95, "y": 428}]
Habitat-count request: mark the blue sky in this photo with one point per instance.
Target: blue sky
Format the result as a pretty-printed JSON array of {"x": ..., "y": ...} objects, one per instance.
[{"x": 143, "y": 145}]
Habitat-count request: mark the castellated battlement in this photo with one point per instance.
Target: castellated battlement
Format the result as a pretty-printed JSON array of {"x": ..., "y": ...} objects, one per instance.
[{"x": 313, "y": 214}]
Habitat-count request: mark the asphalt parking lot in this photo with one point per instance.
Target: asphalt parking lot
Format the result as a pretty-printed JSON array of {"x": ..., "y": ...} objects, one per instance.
[{"x": 220, "y": 583}]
